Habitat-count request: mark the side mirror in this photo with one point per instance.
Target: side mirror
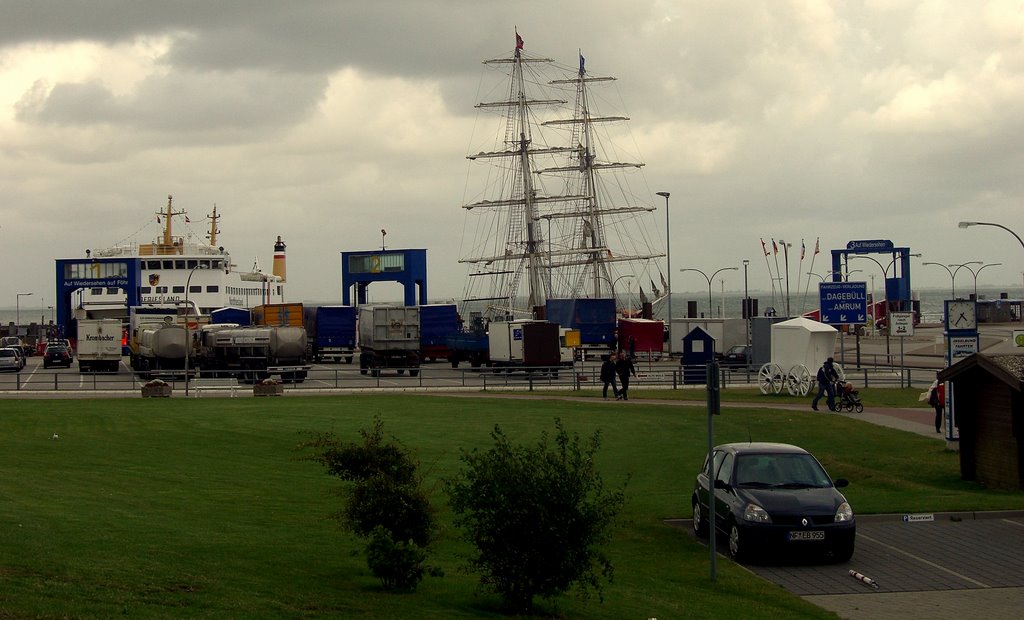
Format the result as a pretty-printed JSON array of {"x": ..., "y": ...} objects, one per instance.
[
  {"x": 721, "y": 484},
  {"x": 841, "y": 482}
]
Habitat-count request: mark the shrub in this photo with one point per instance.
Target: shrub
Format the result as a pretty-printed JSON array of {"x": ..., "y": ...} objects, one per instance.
[
  {"x": 385, "y": 503},
  {"x": 537, "y": 516}
]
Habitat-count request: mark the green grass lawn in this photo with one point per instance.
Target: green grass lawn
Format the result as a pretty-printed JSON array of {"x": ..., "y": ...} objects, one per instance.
[{"x": 200, "y": 508}]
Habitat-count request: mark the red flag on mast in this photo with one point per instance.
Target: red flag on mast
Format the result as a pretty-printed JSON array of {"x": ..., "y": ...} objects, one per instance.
[
  {"x": 764, "y": 246},
  {"x": 803, "y": 250},
  {"x": 816, "y": 250},
  {"x": 519, "y": 41},
  {"x": 775, "y": 247}
]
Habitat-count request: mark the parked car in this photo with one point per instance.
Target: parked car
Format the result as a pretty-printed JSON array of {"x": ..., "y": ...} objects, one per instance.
[
  {"x": 15, "y": 342},
  {"x": 57, "y": 355},
  {"x": 736, "y": 357},
  {"x": 10, "y": 359},
  {"x": 772, "y": 497}
]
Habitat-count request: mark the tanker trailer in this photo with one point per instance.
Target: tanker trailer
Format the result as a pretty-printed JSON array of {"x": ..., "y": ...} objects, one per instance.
[{"x": 161, "y": 350}]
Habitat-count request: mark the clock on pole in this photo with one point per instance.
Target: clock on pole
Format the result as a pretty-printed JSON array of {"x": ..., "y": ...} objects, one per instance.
[{"x": 961, "y": 315}]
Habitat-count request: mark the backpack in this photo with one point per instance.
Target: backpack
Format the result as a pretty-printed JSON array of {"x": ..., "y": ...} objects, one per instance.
[{"x": 933, "y": 397}]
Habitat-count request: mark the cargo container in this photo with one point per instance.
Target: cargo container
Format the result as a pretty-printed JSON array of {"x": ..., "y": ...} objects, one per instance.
[
  {"x": 437, "y": 323},
  {"x": 332, "y": 333},
  {"x": 594, "y": 318},
  {"x": 389, "y": 337},
  {"x": 236, "y": 316},
  {"x": 278, "y": 315},
  {"x": 642, "y": 337},
  {"x": 525, "y": 343},
  {"x": 99, "y": 345}
]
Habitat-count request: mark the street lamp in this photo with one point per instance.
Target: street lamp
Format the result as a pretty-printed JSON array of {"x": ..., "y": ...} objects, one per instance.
[
  {"x": 952, "y": 292},
  {"x": 960, "y": 266},
  {"x": 709, "y": 279},
  {"x": 975, "y": 274},
  {"x": 614, "y": 282},
  {"x": 17, "y": 307},
  {"x": 746, "y": 298},
  {"x": 188, "y": 335},
  {"x": 668, "y": 262},
  {"x": 969, "y": 224}
]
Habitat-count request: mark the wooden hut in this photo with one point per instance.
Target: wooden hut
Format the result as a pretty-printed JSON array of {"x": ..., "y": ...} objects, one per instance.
[{"x": 989, "y": 408}]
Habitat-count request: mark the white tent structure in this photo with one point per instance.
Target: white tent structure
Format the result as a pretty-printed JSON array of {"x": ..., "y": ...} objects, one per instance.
[{"x": 799, "y": 347}]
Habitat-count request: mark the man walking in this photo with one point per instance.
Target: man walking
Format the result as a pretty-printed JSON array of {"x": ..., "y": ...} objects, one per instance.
[
  {"x": 608, "y": 377},
  {"x": 624, "y": 367},
  {"x": 827, "y": 377}
]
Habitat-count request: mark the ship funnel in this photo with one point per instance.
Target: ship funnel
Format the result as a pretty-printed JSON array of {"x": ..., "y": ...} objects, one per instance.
[{"x": 279, "y": 266}]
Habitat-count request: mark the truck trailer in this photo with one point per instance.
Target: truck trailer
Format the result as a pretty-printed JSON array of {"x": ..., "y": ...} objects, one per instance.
[
  {"x": 99, "y": 345},
  {"x": 389, "y": 337},
  {"x": 331, "y": 331},
  {"x": 526, "y": 343}
]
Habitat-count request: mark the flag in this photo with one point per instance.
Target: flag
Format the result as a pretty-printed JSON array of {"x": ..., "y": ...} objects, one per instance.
[
  {"x": 158, "y": 219},
  {"x": 582, "y": 60},
  {"x": 764, "y": 246},
  {"x": 775, "y": 247},
  {"x": 664, "y": 285},
  {"x": 803, "y": 250},
  {"x": 187, "y": 221},
  {"x": 816, "y": 250},
  {"x": 643, "y": 298},
  {"x": 519, "y": 41}
]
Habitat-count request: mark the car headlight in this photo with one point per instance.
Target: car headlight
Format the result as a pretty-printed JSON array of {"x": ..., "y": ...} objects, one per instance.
[
  {"x": 844, "y": 513},
  {"x": 756, "y": 514}
]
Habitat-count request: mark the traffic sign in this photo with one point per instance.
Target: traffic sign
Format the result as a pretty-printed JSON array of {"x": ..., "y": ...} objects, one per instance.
[
  {"x": 902, "y": 323},
  {"x": 843, "y": 303}
]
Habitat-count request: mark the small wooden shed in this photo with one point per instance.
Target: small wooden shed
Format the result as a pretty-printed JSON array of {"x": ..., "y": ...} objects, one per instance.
[{"x": 988, "y": 404}]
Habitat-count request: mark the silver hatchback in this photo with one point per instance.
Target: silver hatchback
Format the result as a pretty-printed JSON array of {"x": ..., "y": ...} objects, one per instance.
[{"x": 10, "y": 360}]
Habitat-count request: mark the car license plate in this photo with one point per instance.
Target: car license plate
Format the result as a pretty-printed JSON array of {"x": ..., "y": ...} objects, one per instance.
[{"x": 807, "y": 535}]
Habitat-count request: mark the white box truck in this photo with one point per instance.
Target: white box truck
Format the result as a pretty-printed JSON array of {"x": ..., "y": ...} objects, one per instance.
[{"x": 99, "y": 345}]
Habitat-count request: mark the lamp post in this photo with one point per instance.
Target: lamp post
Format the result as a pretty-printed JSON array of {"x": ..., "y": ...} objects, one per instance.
[
  {"x": 709, "y": 279},
  {"x": 952, "y": 292},
  {"x": 1015, "y": 235},
  {"x": 188, "y": 334},
  {"x": 17, "y": 307},
  {"x": 975, "y": 274},
  {"x": 614, "y": 282},
  {"x": 668, "y": 262},
  {"x": 960, "y": 266},
  {"x": 746, "y": 298}
]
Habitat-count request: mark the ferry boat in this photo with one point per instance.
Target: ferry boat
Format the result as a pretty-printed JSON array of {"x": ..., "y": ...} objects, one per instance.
[
  {"x": 173, "y": 262},
  {"x": 555, "y": 218}
]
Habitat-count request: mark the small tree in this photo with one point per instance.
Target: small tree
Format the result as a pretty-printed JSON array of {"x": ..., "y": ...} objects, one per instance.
[
  {"x": 386, "y": 503},
  {"x": 537, "y": 516}
]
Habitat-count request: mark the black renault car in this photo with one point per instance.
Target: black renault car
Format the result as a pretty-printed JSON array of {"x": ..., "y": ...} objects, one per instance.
[{"x": 774, "y": 498}]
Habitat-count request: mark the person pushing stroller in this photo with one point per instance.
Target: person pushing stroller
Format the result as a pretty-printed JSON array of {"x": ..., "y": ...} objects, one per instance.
[{"x": 827, "y": 378}]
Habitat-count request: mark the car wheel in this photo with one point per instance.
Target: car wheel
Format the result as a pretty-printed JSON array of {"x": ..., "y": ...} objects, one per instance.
[
  {"x": 737, "y": 549},
  {"x": 700, "y": 522}
]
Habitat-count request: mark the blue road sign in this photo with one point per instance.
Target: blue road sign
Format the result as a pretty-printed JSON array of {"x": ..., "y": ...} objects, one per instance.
[{"x": 844, "y": 303}]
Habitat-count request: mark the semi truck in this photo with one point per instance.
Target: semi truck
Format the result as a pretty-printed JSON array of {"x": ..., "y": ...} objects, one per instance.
[
  {"x": 389, "y": 337},
  {"x": 278, "y": 314},
  {"x": 594, "y": 318},
  {"x": 331, "y": 331},
  {"x": 99, "y": 345},
  {"x": 252, "y": 353}
]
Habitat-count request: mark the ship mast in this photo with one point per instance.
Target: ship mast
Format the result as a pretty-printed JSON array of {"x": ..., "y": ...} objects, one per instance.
[
  {"x": 167, "y": 243},
  {"x": 212, "y": 235}
]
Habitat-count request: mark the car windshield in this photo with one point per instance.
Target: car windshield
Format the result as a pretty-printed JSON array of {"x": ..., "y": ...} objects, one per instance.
[
  {"x": 787, "y": 470},
  {"x": 7, "y": 353},
  {"x": 736, "y": 350}
]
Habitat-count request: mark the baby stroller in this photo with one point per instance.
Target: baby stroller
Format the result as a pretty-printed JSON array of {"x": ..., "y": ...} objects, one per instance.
[{"x": 848, "y": 398}]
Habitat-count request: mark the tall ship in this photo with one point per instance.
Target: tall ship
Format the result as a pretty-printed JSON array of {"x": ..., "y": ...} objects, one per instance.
[
  {"x": 172, "y": 263},
  {"x": 555, "y": 218}
]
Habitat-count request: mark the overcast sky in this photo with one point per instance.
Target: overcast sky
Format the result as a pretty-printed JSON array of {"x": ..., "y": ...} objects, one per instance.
[{"x": 326, "y": 121}]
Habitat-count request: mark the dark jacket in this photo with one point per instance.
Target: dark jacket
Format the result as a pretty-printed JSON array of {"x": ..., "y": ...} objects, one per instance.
[
  {"x": 827, "y": 373},
  {"x": 608, "y": 371},
  {"x": 624, "y": 368}
]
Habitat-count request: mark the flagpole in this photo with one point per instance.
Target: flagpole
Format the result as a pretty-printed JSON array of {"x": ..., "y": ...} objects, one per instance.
[
  {"x": 775, "y": 249},
  {"x": 771, "y": 277}
]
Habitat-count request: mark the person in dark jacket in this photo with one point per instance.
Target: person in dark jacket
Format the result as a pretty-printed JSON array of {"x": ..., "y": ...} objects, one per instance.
[
  {"x": 827, "y": 377},
  {"x": 624, "y": 368},
  {"x": 608, "y": 377}
]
